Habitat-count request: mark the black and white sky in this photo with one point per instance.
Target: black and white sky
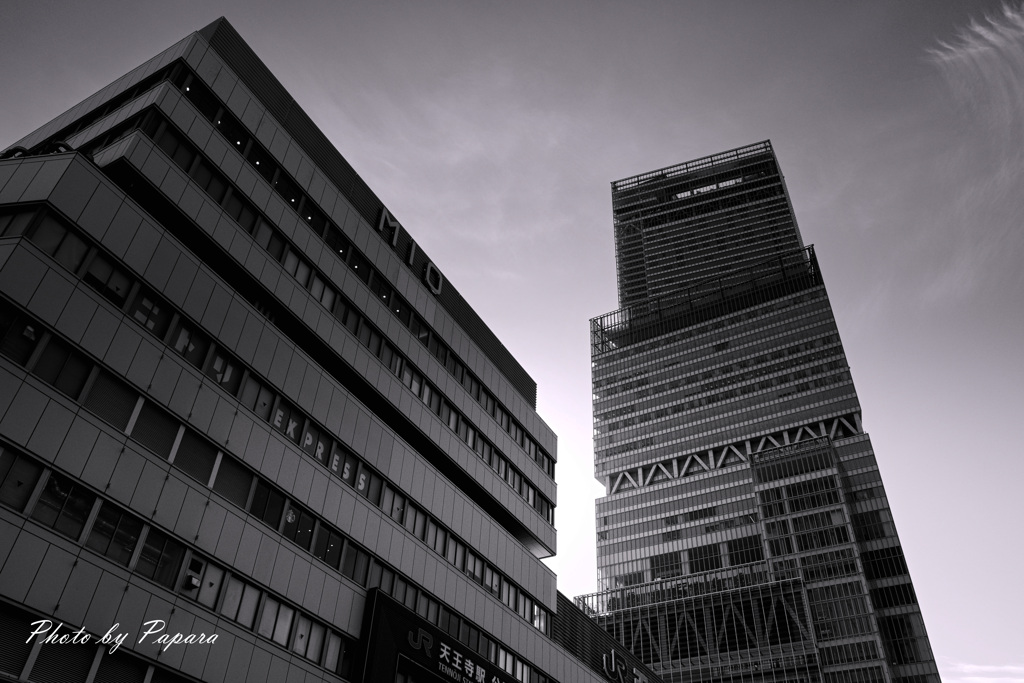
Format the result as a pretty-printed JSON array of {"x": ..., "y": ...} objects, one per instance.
[{"x": 493, "y": 129}]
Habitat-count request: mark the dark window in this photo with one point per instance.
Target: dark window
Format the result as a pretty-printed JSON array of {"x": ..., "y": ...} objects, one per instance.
[
  {"x": 381, "y": 289},
  {"x": 191, "y": 343},
  {"x": 156, "y": 430},
  {"x": 14, "y": 222},
  {"x": 233, "y": 481},
  {"x": 880, "y": 564},
  {"x": 151, "y": 312},
  {"x": 806, "y": 495},
  {"x": 257, "y": 397},
  {"x": 160, "y": 558},
  {"x": 18, "y": 334},
  {"x": 703, "y": 513},
  {"x": 780, "y": 546},
  {"x": 298, "y": 525},
  {"x": 287, "y": 189},
  {"x": 107, "y": 279},
  {"x": 894, "y": 596},
  {"x": 55, "y": 240},
  {"x": 393, "y": 504},
  {"x": 111, "y": 400},
  {"x": 18, "y": 477},
  {"x": 744, "y": 550},
  {"x": 338, "y": 242},
  {"x": 63, "y": 368},
  {"x": 898, "y": 636},
  {"x": 328, "y": 546},
  {"x": 868, "y": 526},
  {"x": 704, "y": 558},
  {"x": 195, "y": 456},
  {"x": 823, "y": 538},
  {"x": 115, "y": 534},
  {"x": 267, "y": 504},
  {"x": 666, "y": 565},
  {"x": 355, "y": 563},
  {"x": 358, "y": 263},
  {"x": 225, "y": 370},
  {"x": 63, "y": 506}
]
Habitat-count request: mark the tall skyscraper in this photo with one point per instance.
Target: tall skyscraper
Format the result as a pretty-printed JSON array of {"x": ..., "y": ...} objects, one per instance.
[
  {"x": 246, "y": 426},
  {"x": 745, "y": 533}
]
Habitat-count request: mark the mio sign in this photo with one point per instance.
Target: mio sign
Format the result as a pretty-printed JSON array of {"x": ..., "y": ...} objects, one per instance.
[{"x": 430, "y": 275}]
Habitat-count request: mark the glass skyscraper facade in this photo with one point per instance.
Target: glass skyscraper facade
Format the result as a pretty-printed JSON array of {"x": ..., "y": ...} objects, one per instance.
[
  {"x": 238, "y": 403},
  {"x": 745, "y": 533}
]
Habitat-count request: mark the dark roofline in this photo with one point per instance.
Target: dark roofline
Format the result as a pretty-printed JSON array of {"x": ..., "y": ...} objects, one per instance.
[{"x": 251, "y": 70}]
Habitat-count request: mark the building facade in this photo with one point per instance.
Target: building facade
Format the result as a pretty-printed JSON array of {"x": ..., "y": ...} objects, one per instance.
[
  {"x": 745, "y": 533},
  {"x": 248, "y": 431}
]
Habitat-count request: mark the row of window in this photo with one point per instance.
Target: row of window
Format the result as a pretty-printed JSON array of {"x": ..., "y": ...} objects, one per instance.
[
  {"x": 724, "y": 415},
  {"x": 848, "y": 653},
  {"x": 674, "y": 406},
  {"x": 706, "y": 558},
  {"x": 800, "y": 496},
  {"x": 729, "y": 373},
  {"x": 605, "y": 362},
  {"x": 70, "y": 372},
  {"x": 839, "y": 611},
  {"x": 236, "y": 135},
  {"x": 744, "y": 340},
  {"x": 871, "y": 674},
  {"x": 69, "y": 508},
  {"x": 207, "y": 104},
  {"x": 213, "y": 182}
]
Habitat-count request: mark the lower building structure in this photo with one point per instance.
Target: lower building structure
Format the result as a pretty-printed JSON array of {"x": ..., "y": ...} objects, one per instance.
[{"x": 248, "y": 431}]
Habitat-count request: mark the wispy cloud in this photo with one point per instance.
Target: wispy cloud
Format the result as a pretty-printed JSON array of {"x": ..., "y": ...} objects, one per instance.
[
  {"x": 965, "y": 672},
  {"x": 983, "y": 66}
]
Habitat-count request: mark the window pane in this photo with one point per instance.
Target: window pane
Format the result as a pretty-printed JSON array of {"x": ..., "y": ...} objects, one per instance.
[
  {"x": 301, "y": 640},
  {"x": 156, "y": 430},
  {"x": 233, "y": 481},
  {"x": 18, "y": 477},
  {"x": 160, "y": 558},
  {"x": 63, "y": 506},
  {"x": 232, "y": 598},
  {"x": 224, "y": 370},
  {"x": 316, "y": 642},
  {"x": 115, "y": 534},
  {"x": 284, "y": 625},
  {"x": 210, "y": 586},
  {"x": 111, "y": 400},
  {"x": 247, "y": 609},
  {"x": 191, "y": 344},
  {"x": 269, "y": 617},
  {"x": 20, "y": 337}
]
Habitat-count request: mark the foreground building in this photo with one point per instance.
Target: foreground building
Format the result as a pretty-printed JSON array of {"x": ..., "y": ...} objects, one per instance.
[
  {"x": 239, "y": 404},
  {"x": 745, "y": 533}
]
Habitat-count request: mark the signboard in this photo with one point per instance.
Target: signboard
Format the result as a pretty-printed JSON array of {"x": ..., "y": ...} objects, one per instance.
[{"x": 398, "y": 640}]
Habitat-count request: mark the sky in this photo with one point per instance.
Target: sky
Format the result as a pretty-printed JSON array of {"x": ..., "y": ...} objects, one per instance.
[{"x": 492, "y": 131}]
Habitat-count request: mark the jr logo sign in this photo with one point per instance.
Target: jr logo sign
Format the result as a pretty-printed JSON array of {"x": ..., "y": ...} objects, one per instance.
[{"x": 615, "y": 669}]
